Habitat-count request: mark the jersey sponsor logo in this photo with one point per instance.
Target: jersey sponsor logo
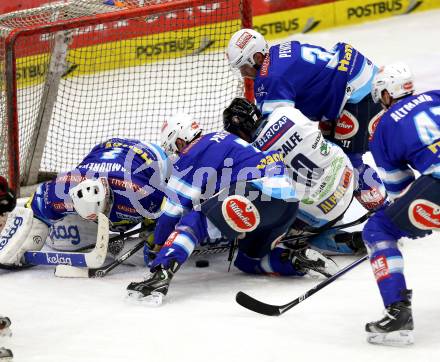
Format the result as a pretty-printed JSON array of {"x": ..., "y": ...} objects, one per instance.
[
  {"x": 347, "y": 126},
  {"x": 260, "y": 92},
  {"x": 240, "y": 213},
  {"x": 264, "y": 71},
  {"x": 125, "y": 208},
  {"x": 56, "y": 259},
  {"x": 127, "y": 186},
  {"x": 424, "y": 214},
  {"x": 243, "y": 40},
  {"x": 380, "y": 268},
  {"x": 372, "y": 125},
  {"x": 171, "y": 238},
  {"x": 330, "y": 202},
  {"x": 274, "y": 133},
  {"x": 62, "y": 206},
  {"x": 146, "y": 154},
  {"x": 64, "y": 232},
  {"x": 318, "y": 138},
  {"x": 4, "y": 240},
  {"x": 269, "y": 159},
  {"x": 376, "y": 8},
  {"x": 324, "y": 149},
  {"x": 130, "y": 218},
  {"x": 345, "y": 61}
]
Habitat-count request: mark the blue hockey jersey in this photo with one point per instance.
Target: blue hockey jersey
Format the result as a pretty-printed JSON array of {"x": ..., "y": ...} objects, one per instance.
[
  {"x": 213, "y": 162},
  {"x": 408, "y": 137},
  {"x": 136, "y": 172},
  {"x": 316, "y": 81}
]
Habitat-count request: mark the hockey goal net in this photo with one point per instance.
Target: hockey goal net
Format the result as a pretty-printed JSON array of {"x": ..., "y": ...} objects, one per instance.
[{"x": 77, "y": 72}]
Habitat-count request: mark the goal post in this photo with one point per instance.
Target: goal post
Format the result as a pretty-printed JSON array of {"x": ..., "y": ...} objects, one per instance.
[{"x": 77, "y": 72}]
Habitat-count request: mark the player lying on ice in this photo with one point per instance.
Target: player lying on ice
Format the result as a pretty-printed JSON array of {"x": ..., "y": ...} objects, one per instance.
[
  {"x": 325, "y": 85},
  {"x": 323, "y": 176},
  {"x": 413, "y": 120},
  {"x": 121, "y": 178},
  {"x": 221, "y": 185}
]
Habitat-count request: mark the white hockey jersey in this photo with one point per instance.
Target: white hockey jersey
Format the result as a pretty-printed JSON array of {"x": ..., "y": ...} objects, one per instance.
[{"x": 323, "y": 174}]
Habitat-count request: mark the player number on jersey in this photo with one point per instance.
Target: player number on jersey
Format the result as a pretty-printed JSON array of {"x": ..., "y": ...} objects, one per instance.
[
  {"x": 111, "y": 155},
  {"x": 311, "y": 54},
  {"x": 428, "y": 129},
  {"x": 305, "y": 170}
]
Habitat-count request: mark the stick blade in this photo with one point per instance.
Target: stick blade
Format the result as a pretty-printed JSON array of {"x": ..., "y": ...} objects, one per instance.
[
  {"x": 68, "y": 271},
  {"x": 254, "y": 305}
]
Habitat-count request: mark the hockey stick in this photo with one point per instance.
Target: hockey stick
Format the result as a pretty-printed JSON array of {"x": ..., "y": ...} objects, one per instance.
[
  {"x": 78, "y": 251},
  {"x": 68, "y": 271},
  {"x": 310, "y": 234},
  {"x": 257, "y": 306},
  {"x": 94, "y": 258}
]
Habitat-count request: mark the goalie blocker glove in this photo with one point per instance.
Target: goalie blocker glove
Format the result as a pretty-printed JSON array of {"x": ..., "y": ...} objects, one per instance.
[{"x": 153, "y": 289}]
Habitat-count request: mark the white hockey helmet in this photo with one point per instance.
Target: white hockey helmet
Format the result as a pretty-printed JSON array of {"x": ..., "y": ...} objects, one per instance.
[
  {"x": 180, "y": 125},
  {"x": 396, "y": 78},
  {"x": 91, "y": 197},
  {"x": 242, "y": 47}
]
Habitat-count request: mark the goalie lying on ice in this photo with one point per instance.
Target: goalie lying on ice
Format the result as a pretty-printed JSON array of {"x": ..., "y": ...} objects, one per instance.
[{"x": 121, "y": 178}]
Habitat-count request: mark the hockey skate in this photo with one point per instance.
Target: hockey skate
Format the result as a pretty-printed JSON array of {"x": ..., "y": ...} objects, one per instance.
[
  {"x": 152, "y": 290},
  {"x": 5, "y": 355},
  {"x": 313, "y": 263},
  {"x": 396, "y": 328},
  {"x": 5, "y": 322}
]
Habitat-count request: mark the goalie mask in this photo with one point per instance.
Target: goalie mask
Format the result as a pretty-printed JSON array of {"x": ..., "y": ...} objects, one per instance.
[
  {"x": 394, "y": 78},
  {"x": 241, "y": 115},
  {"x": 242, "y": 47},
  {"x": 91, "y": 197},
  {"x": 180, "y": 125}
]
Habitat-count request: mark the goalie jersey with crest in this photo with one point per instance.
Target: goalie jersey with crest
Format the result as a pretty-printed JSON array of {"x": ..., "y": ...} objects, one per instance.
[
  {"x": 136, "y": 173},
  {"x": 323, "y": 174}
]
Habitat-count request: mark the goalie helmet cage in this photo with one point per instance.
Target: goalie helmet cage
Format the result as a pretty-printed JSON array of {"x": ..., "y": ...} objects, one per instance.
[{"x": 75, "y": 73}]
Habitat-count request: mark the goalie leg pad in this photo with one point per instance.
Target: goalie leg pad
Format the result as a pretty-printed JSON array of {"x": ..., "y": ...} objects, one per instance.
[
  {"x": 21, "y": 233},
  {"x": 72, "y": 233}
]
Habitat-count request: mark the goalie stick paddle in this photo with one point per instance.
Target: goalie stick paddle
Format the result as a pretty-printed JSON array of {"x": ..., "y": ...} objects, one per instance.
[{"x": 257, "y": 306}]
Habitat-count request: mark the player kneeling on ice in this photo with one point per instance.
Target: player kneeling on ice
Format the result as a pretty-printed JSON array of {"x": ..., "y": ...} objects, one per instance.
[
  {"x": 322, "y": 174},
  {"x": 413, "y": 120},
  {"x": 120, "y": 178},
  {"x": 222, "y": 186}
]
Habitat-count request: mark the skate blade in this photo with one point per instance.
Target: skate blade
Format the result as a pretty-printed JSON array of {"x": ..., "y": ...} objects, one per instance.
[
  {"x": 395, "y": 339},
  {"x": 155, "y": 299}
]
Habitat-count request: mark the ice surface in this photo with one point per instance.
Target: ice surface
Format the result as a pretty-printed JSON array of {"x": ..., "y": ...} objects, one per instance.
[{"x": 63, "y": 320}]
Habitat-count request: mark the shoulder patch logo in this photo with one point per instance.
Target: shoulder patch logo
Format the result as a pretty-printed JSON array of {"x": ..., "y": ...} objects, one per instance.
[
  {"x": 240, "y": 213},
  {"x": 424, "y": 214},
  {"x": 347, "y": 126},
  {"x": 373, "y": 124}
]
